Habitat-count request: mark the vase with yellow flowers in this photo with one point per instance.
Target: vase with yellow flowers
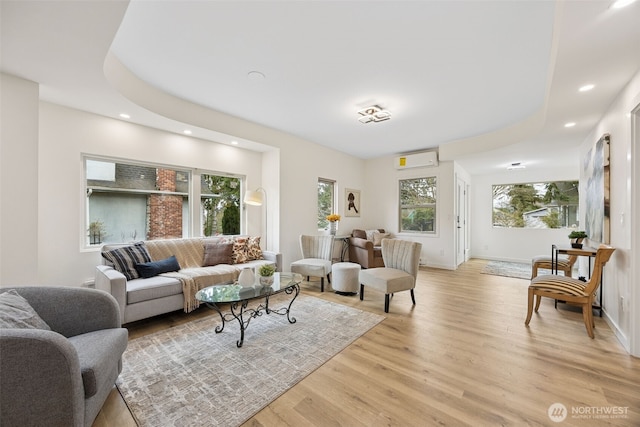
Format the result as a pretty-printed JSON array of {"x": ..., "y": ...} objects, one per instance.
[{"x": 333, "y": 223}]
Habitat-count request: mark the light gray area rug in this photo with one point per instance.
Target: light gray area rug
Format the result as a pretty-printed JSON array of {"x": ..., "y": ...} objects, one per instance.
[
  {"x": 190, "y": 376},
  {"x": 511, "y": 269}
]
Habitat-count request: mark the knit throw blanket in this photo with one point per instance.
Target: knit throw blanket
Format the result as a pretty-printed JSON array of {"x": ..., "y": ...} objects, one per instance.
[{"x": 192, "y": 276}]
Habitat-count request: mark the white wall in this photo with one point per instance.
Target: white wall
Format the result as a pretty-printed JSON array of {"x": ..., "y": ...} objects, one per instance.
[
  {"x": 512, "y": 244},
  {"x": 18, "y": 180},
  {"x": 379, "y": 204},
  {"x": 619, "y": 287}
]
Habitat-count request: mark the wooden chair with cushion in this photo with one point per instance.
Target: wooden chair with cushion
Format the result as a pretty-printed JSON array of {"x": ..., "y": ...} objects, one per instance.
[
  {"x": 570, "y": 290},
  {"x": 316, "y": 258},
  {"x": 564, "y": 264},
  {"x": 401, "y": 260}
]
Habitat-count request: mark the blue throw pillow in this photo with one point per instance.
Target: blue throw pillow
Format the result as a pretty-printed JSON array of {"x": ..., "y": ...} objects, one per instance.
[{"x": 153, "y": 268}]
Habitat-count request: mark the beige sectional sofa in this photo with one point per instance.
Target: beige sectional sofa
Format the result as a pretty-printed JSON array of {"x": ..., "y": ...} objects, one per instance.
[{"x": 159, "y": 276}]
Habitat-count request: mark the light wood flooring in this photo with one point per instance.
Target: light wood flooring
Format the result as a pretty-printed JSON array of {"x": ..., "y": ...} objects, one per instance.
[{"x": 462, "y": 356}]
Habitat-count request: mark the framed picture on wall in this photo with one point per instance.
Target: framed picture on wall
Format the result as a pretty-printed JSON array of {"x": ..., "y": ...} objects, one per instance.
[{"x": 352, "y": 202}]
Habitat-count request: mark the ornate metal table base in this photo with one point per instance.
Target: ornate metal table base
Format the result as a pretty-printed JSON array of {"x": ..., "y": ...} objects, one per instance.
[{"x": 243, "y": 315}]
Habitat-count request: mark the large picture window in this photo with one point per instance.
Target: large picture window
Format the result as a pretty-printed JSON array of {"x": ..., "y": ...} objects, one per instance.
[
  {"x": 536, "y": 205},
  {"x": 128, "y": 201},
  {"x": 220, "y": 203},
  {"x": 418, "y": 199}
]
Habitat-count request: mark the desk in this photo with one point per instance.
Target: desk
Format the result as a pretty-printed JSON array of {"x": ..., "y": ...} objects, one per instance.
[{"x": 584, "y": 251}]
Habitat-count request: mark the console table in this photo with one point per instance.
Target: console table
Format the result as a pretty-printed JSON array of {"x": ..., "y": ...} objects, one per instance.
[{"x": 344, "y": 249}]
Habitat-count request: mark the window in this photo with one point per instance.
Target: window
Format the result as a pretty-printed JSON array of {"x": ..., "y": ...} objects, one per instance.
[
  {"x": 220, "y": 203},
  {"x": 418, "y": 205},
  {"x": 129, "y": 201},
  {"x": 326, "y": 201},
  {"x": 536, "y": 205}
]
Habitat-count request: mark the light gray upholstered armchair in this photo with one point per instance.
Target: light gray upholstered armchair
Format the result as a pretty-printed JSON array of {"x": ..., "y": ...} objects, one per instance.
[
  {"x": 402, "y": 261},
  {"x": 316, "y": 258},
  {"x": 61, "y": 377}
]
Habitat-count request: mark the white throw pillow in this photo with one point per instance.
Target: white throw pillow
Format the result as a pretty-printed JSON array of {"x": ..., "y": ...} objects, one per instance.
[
  {"x": 370, "y": 234},
  {"x": 378, "y": 236}
]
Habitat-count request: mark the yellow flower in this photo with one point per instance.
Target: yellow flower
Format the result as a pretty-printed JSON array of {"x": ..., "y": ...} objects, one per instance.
[{"x": 333, "y": 217}]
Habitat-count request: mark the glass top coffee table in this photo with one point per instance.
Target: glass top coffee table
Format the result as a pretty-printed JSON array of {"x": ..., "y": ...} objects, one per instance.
[{"x": 238, "y": 298}]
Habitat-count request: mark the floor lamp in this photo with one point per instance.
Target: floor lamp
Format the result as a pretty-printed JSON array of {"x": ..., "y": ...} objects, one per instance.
[{"x": 258, "y": 198}]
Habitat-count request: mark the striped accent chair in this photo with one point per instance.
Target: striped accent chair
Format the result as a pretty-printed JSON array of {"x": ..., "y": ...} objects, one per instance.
[
  {"x": 570, "y": 290},
  {"x": 565, "y": 264}
]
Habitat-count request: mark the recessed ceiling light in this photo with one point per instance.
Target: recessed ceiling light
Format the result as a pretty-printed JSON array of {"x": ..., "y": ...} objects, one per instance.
[
  {"x": 125, "y": 116},
  {"x": 621, "y": 3},
  {"x": 187, "y": 132},
  {"x": 234, "y": 142},
  {"x": 586, "y": 88},
  {"x": 569, "y": 125}
]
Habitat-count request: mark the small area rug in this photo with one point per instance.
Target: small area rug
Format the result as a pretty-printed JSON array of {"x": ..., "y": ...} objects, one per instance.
[
  {"x": 511, "y": 269},
  {"x": 190, "y": 376}
]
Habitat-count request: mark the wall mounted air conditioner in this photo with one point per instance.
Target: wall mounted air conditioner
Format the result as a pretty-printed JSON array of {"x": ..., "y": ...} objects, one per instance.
[{"x": 417, "y": 160}]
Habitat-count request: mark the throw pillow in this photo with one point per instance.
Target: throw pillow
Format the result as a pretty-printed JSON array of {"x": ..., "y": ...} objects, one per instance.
[
  {"x": 253, "y": 249},
  {"x": 17, "y": 313},
  {"x": 239, "y": 250},
  {"x": 370, "y": 234},
  {"x": 218, "y": 253},
  {"x": 153, "y": 268},
  {"x": 378, "y": 236},
  {"x": 125, "y": 259}
]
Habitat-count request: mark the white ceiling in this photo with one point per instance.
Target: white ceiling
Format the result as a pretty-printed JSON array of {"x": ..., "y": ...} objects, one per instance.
[{"x": 453, "y": 74}]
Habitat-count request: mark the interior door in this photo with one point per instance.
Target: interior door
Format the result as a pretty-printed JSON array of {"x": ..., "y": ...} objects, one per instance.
[{"x": 461, "y": 220}]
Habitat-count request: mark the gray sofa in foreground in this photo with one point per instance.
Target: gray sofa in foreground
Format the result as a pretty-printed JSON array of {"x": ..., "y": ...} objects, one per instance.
[{"x": 62, "y": 376}]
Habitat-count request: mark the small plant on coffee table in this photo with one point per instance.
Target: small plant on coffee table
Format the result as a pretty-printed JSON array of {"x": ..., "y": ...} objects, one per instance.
[{"x": 266, "y": 274}]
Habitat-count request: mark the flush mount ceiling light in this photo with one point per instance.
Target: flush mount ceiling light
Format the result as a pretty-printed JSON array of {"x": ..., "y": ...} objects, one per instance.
[
  {"x": 374, "y": 114},
  {"x": 586, "y": 88},
  {"x": 515, "y": 165},
  {"x": 569, "y": 125},
  {"x": 255, "y": 76}
]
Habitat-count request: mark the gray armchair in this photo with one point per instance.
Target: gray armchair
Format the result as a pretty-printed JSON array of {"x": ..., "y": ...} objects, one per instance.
[{"x": 61, "y": 377}]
